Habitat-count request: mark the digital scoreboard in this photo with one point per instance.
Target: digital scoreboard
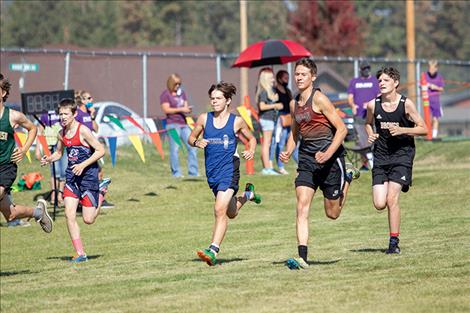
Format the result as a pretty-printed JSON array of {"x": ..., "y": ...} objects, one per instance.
[{"x": 43, "y": 101}]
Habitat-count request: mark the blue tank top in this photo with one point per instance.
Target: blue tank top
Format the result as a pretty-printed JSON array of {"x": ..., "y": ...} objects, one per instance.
[{"x": 221, "y": 149}]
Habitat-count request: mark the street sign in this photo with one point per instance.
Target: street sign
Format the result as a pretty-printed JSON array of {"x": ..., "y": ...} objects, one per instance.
[{"x": 24, "y": 67}]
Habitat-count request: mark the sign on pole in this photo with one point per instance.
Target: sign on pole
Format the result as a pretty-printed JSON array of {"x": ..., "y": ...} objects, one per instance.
[{"x": 24, "y": 67}]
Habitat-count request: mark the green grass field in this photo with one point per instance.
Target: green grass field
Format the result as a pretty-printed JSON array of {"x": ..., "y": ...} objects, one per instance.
[{"x": 142, "y": 253}]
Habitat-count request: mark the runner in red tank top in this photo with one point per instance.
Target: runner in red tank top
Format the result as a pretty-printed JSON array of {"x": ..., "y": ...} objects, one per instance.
[
  {"x": 81, "y": 185},
  {"x": 321, "y": 154}
]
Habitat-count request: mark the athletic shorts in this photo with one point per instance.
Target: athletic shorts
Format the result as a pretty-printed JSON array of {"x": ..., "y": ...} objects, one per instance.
[
  {"x": 266, "y": 125},
  {"x": 8, "y": 175},
  {"x": 330, "y": 177},
  {"x": 227, "y": 182},
  {"x": 88, "y": 198},
  {"x": 397, "y": 173},
  {"x": 436, "y": 110}
]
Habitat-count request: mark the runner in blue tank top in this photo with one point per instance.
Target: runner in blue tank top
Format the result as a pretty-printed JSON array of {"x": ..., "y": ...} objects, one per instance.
[{"x": 219, "y": 142}]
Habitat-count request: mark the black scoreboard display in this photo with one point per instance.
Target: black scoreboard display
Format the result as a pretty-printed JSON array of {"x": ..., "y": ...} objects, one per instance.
[{"x": 43, "y": 101}]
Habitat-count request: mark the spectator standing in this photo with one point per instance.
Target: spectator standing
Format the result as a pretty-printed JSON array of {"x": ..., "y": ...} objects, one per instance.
[
  {"x": 174, "y": 104},
  {"x": 360, "y": 91},
  {"x": 268, "y": 105},
  {"x": 435, "y": 83}
]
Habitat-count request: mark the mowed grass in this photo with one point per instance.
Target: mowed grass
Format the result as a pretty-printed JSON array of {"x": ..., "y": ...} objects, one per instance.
[{"x": 142, "y": 253}]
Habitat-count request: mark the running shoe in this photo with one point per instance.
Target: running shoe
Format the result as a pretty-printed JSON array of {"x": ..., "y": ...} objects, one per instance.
[
  {"x": 269, "y": 171},
  {"x": 352, "y": 172},
  {"x": 18, "y": 223},
  {"x": 107, "y": 205},
  {"x": 79, "y": 258},
  {"x": 393, "y": 247},
  {"x": 104, "y": 184},
  {"x": 297, "y": 264},
  {"x": 283, "y": 171},
  {"x": 207, "y": 256},
  {"x": 250, "y": 193},
  {"x": 44, "y": 220}
]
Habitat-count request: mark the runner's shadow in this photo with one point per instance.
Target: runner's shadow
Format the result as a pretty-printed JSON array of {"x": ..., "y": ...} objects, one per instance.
[
  {"x": 6, "y": 274},
  {"x": 151, "y": 194},
  {"x": 369, "y": 250},
  {"x": 222, "y": 261},
  {"x": 195, "y": 179},
  {"x": 310, "y": 262},
  {"x": 68, "y": 258}
]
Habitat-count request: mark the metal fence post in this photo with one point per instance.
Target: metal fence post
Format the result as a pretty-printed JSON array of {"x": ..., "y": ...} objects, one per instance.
[
  {"x": 356, "y": 68},
  {"x": 144, "y": 86},
  {"x": 66, "y": 71},
  {"x": 217, "y": 64},
  {"x": 418, "y": 93}
]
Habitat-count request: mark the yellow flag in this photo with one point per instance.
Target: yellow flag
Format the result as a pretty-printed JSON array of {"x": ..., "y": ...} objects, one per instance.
[
  {"x": 22, "y": 138},
  {"x": 245, "y": 116},
  {"x": 138, "y": 146},
  {"x": 190, "y": 122}
]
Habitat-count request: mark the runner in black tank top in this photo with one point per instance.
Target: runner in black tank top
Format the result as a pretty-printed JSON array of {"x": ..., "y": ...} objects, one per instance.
[
  {"x": 396, "y": 121},
  {"x": 321, "y": 155}
]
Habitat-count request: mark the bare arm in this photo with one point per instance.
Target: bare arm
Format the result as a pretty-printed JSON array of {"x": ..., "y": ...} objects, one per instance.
[
  {"x": 293, "y": 136},
  {"x": 371, "y": 135},
  {"x": 167, "y": 109},
  {"x": 263, "y": 106},
  {"x": 352, "y": 104},
  {"x": 420, "y": 128},
  {"x": 330, "y": 113},
  {"x": 193, "y": 138},
  {"x": 242, "y": 127},
  {"x": 19, "y": 119}
]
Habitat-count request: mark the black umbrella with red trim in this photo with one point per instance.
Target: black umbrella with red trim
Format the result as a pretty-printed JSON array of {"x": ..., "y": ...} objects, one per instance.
[{"x": 269, "y": 52}]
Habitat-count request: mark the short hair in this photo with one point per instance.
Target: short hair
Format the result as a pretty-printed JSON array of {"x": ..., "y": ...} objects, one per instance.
[
  {"x": 5, "y": 85},
  {"x": 433, "y": 62},
  {"x": 280, "y": 73},
  {"x": 172, "y": 80},
  {"x": 390, "y": 71},
  {"x": 308, "y": 63},
  {"x": 228, "y": 89},
  {"x": 68, "y": 103}
]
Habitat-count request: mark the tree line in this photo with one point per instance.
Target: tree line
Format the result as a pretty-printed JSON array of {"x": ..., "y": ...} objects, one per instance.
[{"x": 345, "y": 28}]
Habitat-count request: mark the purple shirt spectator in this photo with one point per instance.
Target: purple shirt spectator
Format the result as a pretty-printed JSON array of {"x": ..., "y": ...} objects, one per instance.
[
  {"x": 175, "y": 102},
  {"x": 434, "y": 95},
  {"x": 363, "y": 90},
  {"x": 50, "y": 119},
  {"x": 84, "y": 118}
]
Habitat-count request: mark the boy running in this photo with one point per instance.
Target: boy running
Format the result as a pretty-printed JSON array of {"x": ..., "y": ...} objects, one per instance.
[
  {"x": 81, "y": 184},
  {"x": 10, "y": 156},
  {"x": 396, "y": 122},
  {"x": 321, "y": 155},
  {"x": 222, "y": 162}
]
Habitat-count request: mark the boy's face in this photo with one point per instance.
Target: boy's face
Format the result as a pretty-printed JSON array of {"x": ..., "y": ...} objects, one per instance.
[
  {"x": 218, "y": 101},
  {"x": 66, "y": 116},
  {"x": 387, "y": 84},
  {"x": 303, "y": 77}
]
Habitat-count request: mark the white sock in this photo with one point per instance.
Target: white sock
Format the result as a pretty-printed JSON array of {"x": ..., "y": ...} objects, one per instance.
[
  {"x": 434, "y": 133},
  {"x": 370, "y": 158}
]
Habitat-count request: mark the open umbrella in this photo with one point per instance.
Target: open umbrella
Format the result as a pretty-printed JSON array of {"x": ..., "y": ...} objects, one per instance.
[{"x": 269, "y": 52}]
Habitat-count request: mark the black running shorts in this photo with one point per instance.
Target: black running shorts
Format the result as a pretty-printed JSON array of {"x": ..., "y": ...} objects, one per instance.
[
  {"x": 8, "y": 175},
  {"x": 400, "y": 174},
  {"x": 330, "y": 177}
]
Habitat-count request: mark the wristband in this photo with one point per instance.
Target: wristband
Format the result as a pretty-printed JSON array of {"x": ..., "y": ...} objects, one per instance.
[{"x": 194, "y": 142}]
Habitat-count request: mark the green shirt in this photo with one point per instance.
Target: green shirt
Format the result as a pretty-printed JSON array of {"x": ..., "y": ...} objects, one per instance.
[{"x": 7, "y": 140}]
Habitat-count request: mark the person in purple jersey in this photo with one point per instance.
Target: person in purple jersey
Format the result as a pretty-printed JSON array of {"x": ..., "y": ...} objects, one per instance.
[
  {"x": 50, "y": 127},
  {"x": 435, "y": 88},
  {"x": 86, "y": 113},
  {"x": 360, "y": 91},
  {"x": 175, "y": 105}
]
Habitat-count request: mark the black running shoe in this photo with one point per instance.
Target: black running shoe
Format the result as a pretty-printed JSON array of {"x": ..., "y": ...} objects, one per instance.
[{"x": 393, "y": 247}]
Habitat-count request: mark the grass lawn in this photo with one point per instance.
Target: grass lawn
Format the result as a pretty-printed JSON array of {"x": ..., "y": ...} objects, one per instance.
[{"x": 142, "y": 253}]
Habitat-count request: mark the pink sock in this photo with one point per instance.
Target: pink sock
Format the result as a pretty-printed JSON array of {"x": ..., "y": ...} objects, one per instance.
[{"x": 77, "y": 244}]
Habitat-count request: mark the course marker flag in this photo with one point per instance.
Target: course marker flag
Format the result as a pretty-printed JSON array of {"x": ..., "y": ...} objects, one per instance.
[
  {"x": 43, "y": 143},
  {"x": 245, "y": 116},
  {"x": 190, "y": 122},
  {"x": 138, "y": 146},
  {"x": 158, "y": 143},
  {"x": 112, "y": 149},
  {"x": 20, "y": 139},
  {"x": 116, "y": 121}
]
